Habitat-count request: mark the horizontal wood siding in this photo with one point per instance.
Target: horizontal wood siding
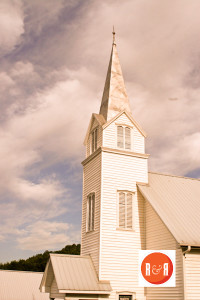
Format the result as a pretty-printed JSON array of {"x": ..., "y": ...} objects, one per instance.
[
  {"x": 110, "y": 136},
  {"x": 119, "y": 248},
  {"x": 192, "y": 275},
  {"x": 158, "y": 237},
  {"x": 91, "y": 183},
  {"x": 54, "y": 291}
]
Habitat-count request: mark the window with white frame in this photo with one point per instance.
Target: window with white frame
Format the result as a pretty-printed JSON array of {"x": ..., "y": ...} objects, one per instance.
[
  {"x": 94, "y": 140},
  {"x": 125, "y": 210},
  {"x": 124, "y": 137},
  {"x": 90, "y": 212}
]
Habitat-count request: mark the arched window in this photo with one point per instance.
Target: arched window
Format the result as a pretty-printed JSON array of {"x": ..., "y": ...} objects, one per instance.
[
  {"x": 94, "y": 140},
  {"x": 90, "y": 212}
]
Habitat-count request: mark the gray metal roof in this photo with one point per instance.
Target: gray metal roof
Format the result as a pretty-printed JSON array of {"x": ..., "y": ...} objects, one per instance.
[
  {"x": 18, "y": 285},
  {"x": 75, "y": 273},
  {"x": 177, "y": 201}
]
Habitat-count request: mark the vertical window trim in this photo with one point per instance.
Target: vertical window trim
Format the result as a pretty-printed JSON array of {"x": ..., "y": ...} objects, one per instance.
[{"x": 90, "y": 220}]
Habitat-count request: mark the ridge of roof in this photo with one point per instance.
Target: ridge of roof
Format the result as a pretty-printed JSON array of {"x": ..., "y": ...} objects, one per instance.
[
  {"x": 171, "y": 175},
  {"x": 69, "y": 255}
]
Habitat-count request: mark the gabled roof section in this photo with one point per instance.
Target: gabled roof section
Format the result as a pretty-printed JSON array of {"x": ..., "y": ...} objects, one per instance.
[
  {"x": 130, "y": 118},
  {"x": 75, "y": 274},
  {"x": 114, "y": 98},
  {"x": 23, "y": 285},
  {"x": 177, "y": 201},
  {"x": 100, "y": 119}
]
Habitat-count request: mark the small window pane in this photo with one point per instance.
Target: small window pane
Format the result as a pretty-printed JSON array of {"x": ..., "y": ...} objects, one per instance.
[
  {"x": 127, "y": 138},
  {"x": 129, "y": 211},
  {"x": 93, "y": 209},
  {"x": 120, "y": 137},
  {"x": 92, "y": 141},
  {"x": 89, "y": 212},
  {"x": 95, "y": 144},
  {"x": 122, "y": 210}
]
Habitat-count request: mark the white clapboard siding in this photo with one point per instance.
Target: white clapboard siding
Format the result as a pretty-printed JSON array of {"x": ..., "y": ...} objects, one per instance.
[
  {"x": 158, "y": 237},
  {"x": 110, "y": 135},
  {"x": 94, "y": 125},
  {"x": 192, "y": 275},
  {"x": 54, "y": 293},
  {"x": 119, "y": 248},
  {"x": 91, "y": 184}
]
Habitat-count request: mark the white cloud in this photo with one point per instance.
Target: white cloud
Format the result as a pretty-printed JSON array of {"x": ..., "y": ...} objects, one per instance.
[
  {"x": 55, "y": 82},
  {"x": 22, "y": 69},
  {"x": 47, "y": 235},
  {"x": 11, "y": 21},
  {"x": 6, "y": 82}
]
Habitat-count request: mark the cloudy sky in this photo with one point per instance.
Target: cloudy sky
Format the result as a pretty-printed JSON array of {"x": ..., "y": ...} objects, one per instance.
[{"x": 53, "y": 60}]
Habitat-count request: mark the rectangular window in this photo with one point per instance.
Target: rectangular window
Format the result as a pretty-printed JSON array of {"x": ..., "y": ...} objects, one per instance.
[
  {"x": 124, "y": 137},
  {"x": 127, "y": 138},
  {"x": 90, "y": 212},
  {"x": 125, "y": 209},
  {"x": 120, "y": 137},
  {"x": 94, "y": 140}
]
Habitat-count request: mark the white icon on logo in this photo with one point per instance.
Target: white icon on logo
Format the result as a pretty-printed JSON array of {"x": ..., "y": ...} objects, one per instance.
[{"x": 156, "y": 270}]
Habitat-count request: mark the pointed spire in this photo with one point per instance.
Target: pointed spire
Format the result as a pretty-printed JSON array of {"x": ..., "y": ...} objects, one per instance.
[{"x": 114, "y": 98}]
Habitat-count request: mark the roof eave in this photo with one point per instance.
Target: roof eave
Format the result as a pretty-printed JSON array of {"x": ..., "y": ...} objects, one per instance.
[{"x": 85, "y": 292}]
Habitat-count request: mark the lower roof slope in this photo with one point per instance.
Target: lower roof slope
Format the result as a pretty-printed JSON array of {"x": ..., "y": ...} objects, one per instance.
[
  {"x": 15, "y": 285},
  {"x": 74, "y": 274},
  {"x": 177, "y": 201}
]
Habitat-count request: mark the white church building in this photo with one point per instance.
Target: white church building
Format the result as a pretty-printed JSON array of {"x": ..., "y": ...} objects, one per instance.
[{"x": 125, "y": 209}]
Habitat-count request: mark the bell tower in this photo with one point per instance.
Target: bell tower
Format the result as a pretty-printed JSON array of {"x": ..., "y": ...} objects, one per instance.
[{"x": 112, "y": 209}]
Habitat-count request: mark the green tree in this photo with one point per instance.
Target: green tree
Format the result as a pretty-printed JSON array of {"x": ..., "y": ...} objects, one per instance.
[{"x": 38, "y": 262}]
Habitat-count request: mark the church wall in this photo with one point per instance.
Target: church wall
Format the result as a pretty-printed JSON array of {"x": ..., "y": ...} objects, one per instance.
[
  {"x": 54, "y": 293},
  {"x": 192, "y": 278},
  {"x": 119, "y": 248},
  {"x": 110, "y": 135},
  {"x": 91, "y": 183},
  {"x": 158, "y": 237}
]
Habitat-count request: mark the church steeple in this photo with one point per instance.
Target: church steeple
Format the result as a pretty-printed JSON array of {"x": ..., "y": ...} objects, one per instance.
[{"x": 114, "y": 98}]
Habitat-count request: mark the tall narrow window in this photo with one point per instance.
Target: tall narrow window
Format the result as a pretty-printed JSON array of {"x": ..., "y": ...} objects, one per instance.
[
  {"x": 90, "y": 212},
  {"x": 120, "y": 137},
  {"x": 124, "y": 137},
  {"x": 129, "y": 213},
  {"x": 125, "y": 207},
  {"x": 127, "y": 138},
  {"x": 122, "y": 221},
  {"x": 94, "y": 140}
]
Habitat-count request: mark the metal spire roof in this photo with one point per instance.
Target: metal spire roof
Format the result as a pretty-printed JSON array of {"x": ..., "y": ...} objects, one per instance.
[{"x": 114, "y": 98}]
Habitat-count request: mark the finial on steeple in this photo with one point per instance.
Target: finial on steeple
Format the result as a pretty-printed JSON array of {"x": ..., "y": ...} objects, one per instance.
[{"x": 113, "y": 35}]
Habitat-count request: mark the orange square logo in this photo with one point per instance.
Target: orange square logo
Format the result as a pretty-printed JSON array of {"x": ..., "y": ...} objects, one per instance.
[{"x": 157, "y": 268}]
